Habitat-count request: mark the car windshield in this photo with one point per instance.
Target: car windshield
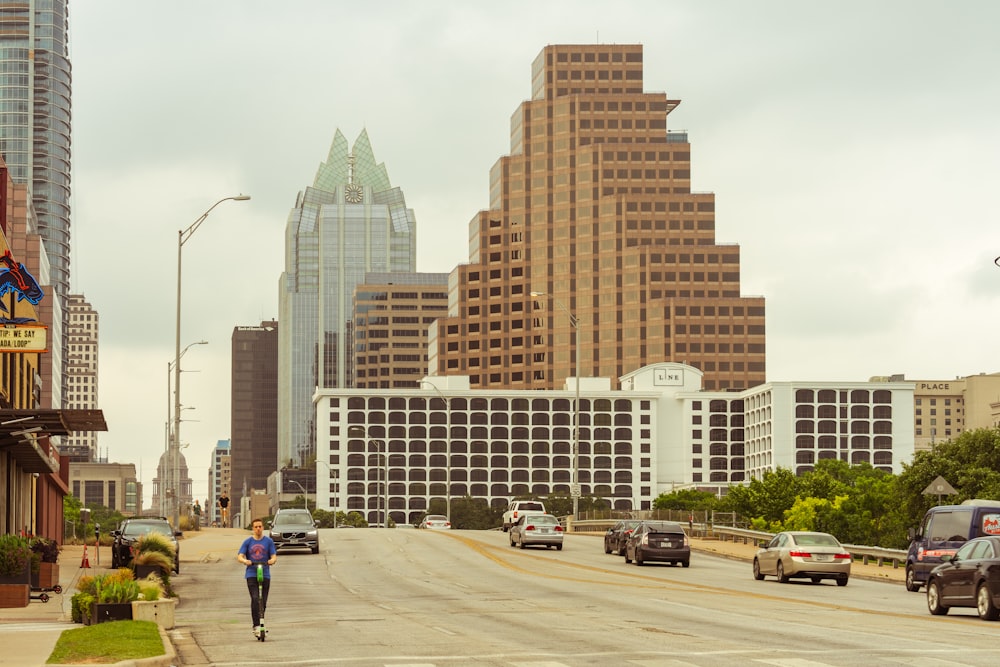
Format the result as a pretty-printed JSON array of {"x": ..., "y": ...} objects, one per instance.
[
  {"x": 134, "y": 529},
  {"x": 296, "y": 519},
  {"x": 815, "y": 540}
]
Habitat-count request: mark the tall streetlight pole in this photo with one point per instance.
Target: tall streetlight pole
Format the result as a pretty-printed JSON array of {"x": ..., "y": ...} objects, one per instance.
[
  {"x": 167, "y": 439},
  {"x": 182, "y": 238},
  {"x": 575, "y": 485},
  {"x": 447, "y": 446},
  {"x": 384, "y": 451}
]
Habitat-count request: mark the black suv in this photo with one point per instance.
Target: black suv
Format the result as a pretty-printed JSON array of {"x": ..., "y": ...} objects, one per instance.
[
  {"x": 132, "y": 529},
  {"x": 294, "y": 528}
]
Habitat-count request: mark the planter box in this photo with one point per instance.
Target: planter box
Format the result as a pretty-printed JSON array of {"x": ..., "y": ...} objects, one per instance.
[
  {"x": 47, "y": 577},
  {"x": 117, "y": 611},
  {"x": 14, "y": 595},
  {"x": 160, "y": 612}
]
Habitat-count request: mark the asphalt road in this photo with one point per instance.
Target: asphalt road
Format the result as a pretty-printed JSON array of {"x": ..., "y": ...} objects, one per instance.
[{"x": 395, "y": 597}]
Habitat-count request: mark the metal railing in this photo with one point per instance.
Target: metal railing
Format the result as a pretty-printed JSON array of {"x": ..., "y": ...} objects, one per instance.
[{"x": 880, "y": 555}]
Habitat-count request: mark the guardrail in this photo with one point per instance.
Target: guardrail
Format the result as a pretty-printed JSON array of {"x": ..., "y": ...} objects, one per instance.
[{"x": 880, "y": 555}]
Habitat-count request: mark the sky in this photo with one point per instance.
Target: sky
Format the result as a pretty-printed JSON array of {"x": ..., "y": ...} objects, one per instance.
[{"x": 853, "y": 148}]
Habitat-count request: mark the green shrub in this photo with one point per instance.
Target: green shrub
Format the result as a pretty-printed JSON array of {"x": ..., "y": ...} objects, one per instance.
[
  {"x": 118, "y": 591},
  {"x": 161, "y": 560},
  {"x": 15, "y": 555},
  {"x": 80, "y": 606},
  {"x": 155, "y": 543}
]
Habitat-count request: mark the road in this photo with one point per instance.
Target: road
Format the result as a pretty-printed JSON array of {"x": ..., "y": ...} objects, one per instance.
[{"x": 411, "y": 597}]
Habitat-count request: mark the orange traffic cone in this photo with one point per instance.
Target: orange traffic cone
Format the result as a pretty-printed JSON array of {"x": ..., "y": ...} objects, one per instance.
[{"x": 86, "y": 561}]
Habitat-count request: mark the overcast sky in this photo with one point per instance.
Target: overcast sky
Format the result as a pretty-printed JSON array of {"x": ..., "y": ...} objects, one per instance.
[{"x": 854, "y": 149}]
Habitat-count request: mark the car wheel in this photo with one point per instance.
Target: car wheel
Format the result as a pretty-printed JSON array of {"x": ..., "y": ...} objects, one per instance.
[
  {"x": 842, "y": 581},
  {"x": 520, "y": 542},
  {"x": 934, "y": 599},
  {"x": 315, "y": 549},
  {"x": 627, "y": 559},
  {"x": 911, "y": 580},
  {"x": 558, "y": 547},
  {"x": 780, "y": 572},
  {"x": 638, "y": 557},
  {"x": 984, "y": 604},
  {"x": 621, "y": 551},
  {"x": 511, "y": 540},
  {"x": 756, "y": 571},
  {"x": 816, "y": 580},
  {"x": 685, "y": 563},
  {"x": 607, "y": 548}
]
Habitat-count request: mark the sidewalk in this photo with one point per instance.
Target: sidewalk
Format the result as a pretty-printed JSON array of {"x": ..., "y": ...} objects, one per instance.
[{"x": 28, "y": 634}]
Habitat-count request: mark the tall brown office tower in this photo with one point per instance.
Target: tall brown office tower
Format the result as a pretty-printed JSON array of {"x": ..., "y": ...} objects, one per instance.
[{"x": 592, "y": 223}]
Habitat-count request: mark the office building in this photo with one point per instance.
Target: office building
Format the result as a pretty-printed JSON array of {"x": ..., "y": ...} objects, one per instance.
[
  {"x": 595, "y": 252},
  {"x": 253, "y": 447},
  {"x": 659, "y": 432},
  {"x": 350, "y": 222},
  {"x": 220, "y": 476},
  {"x": 81, "y": 373},
  {"x": 943, "y": 409},
  {"x": 35, "y": 137},
  {"x": 392, "y": 312},
  {"x": 111, "y": 485}
]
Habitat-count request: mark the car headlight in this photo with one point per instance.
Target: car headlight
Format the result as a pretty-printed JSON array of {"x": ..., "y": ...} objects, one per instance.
[{"x": 312, "y": 533}]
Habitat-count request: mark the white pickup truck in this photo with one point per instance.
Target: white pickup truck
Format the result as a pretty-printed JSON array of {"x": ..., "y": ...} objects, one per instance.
[{"x": 518, "y": 508}]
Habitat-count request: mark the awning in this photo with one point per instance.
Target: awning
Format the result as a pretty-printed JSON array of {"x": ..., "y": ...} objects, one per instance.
[{"x": 23, "y": 433}]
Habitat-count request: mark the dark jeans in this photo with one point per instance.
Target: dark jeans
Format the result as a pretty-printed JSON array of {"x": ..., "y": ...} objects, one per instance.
[{"x": 255, "y": 607}]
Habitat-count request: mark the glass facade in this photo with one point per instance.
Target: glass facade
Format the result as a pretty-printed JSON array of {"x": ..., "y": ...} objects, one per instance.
[
  {"x": 351, "y": 221},
  {"x": 35, "y": 88}
]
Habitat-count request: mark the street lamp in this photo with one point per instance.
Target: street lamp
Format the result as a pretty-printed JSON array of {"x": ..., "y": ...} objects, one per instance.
[
  {"x": 384, "y": 450},
  {"x": 167, "y": 440},
  {"x": 447, "y": 446},
  {"x": 574, "y": 488},
  {"x": 182, "y": 238},
  {"x": 305, "y": 494}
]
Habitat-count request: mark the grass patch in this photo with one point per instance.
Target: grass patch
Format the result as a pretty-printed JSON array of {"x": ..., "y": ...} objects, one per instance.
[{"x": 107, "y": 643}]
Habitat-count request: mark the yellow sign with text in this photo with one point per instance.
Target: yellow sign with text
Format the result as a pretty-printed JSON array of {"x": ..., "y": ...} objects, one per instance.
[{"x": 24, "y": 338}]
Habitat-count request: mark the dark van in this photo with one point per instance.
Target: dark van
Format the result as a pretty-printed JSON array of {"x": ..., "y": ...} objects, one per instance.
[{"x": 944, "y": 529}]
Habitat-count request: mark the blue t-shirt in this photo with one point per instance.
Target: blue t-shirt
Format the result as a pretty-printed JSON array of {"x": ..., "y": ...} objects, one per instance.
[{"x": 258, "y": 551}]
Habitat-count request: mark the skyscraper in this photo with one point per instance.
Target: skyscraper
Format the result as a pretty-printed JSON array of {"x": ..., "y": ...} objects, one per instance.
[
  {"x": 35, "y": 89},
  {"x": 594, "y": 240},
  {"x": 82, "y": 375},
  {"x": 253, "y": 447},
  {"x": 349, "y": 222}
]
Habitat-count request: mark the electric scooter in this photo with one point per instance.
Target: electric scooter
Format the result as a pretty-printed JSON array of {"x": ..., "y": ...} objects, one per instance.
[{"x": 260, "y": 599}]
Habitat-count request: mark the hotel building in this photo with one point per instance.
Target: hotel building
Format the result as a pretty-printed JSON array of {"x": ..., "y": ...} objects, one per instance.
[{"x": 660, "y": 431}]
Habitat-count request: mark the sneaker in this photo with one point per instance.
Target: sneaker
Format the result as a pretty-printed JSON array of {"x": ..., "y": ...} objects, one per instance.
[{"x": 256, "y": 631}]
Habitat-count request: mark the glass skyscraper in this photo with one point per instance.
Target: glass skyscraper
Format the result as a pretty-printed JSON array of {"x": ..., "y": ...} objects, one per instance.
[
  {"x": 35, "y": 87},
  {"x": 349, "y": 222}
]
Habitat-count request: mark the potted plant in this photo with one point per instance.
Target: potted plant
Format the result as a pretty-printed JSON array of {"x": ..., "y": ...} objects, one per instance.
[
  {"x": 115, "y": 593},
  {"x": 15, "y": 571},
  {"x": 82, "y": 602},
  {"x": 46, "y": 575},
  {"x": 153, "y": 553}
]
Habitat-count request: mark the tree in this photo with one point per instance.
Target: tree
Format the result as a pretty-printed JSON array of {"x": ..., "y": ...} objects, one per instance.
[{"x": 688, "y": 500}]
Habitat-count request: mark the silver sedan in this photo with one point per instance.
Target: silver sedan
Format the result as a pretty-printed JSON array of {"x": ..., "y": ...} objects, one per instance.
[
  {"x": 543, "y": 529},
  {"x": 803, "y": 555}
]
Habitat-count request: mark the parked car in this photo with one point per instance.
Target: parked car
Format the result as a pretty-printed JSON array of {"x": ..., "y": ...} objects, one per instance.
[
  {"x": 294, "y": 528},
  {"x": 518, "y": 508},
  {"x": 531, "y": 529},
  {"x": 968, "y": 578},
  {"x": 663, "y": 541},
  {"x": 131, "y": 529},
  {"x": 943, "y": 530},
  {"x": 803, "y": 555},
  {"x": 435, "y": 522},
  {"x": 615, "y": 538}
]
